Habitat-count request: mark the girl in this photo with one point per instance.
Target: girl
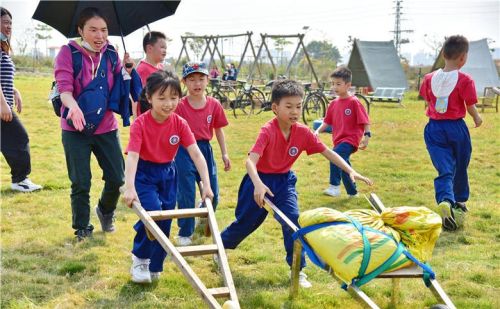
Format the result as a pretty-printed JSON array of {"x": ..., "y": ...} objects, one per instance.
[{"x": 150, "y": 173}]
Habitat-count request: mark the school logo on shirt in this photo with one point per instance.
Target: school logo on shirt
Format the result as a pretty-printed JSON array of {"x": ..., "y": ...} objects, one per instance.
[
  {"x": 347, "y": 111},
  {"x": 209, "y": 119},
  {"x": 174, "y": 140},
  {"x": 293, "y": 151}
]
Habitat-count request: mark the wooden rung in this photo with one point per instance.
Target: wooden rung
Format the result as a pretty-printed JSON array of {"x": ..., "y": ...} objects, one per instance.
[
  {"x": 219, "y": 292},
  {"x": 178, "y": 213},
  {"x": 408, "y": 272},
  {"x": 197, "y": 250}
]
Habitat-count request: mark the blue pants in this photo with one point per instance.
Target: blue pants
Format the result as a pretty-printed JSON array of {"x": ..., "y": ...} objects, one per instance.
[
  {"x": 155, "y": 184},
  {"x": 249, "y": 216},
  {"x": 187, "y": 178},
  {"x": 449, "y": 146},
  {"x": 344, "y": 150}
]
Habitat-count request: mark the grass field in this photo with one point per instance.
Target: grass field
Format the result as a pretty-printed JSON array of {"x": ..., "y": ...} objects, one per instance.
[{"x": 42, "y": 266}]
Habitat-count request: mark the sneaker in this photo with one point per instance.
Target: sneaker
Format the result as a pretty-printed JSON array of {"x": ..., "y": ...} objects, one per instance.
[
  {"x": 353, "y": 195},
  {"x": 303, "y": 282},
  {"x": 140, "y": 270},
  {"x": 107, "y": 220},
  {"x": 82, "y": 234},
  {"x": 444, "y": 210},
  {"x": 332, "y": 190},
  {"x": 461, "y": 206},
  {"x": 184, "y": 241},
  {"x": 155, "y": 276},
  {"x": 25, "y": 186}
]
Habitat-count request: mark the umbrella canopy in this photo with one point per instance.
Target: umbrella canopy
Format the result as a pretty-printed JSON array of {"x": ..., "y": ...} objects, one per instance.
[{"x": 124, "y": 17}]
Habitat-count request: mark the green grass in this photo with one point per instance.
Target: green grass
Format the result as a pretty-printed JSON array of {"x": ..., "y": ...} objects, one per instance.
[{"x": 42, "y": 266}]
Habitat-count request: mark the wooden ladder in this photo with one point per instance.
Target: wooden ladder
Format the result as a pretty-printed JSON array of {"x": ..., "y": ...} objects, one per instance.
[{"x": 177, "y": 253}]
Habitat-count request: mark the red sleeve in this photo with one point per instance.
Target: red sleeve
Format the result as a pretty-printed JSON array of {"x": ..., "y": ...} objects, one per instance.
[
  {"x": 185, "y": 133},
  {"x": 218, "y": 117},
  {"x": 314, "y": 145},
  {"x": 361, "y": 115},
  {"x": 135, "y": 141},
  {"x": 329, "y": 114},
  {"x": 261, "y": 143},
  {"x": 142, "y": 73},
  {"x": 63, "y": 70},
  {"x": 423, "y": 89},
  {"x": 468, "y": 92}
]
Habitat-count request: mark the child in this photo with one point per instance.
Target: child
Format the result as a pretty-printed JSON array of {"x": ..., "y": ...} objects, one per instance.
[
  {"x": 449, "y": 93},
  {"x": 350, "y": 126},
  {"x": 150, "y": 174},
  {"x": 205, "y": 116},
  {"x": 154, "y": 44},
  {"x": 279, "y": 144}
]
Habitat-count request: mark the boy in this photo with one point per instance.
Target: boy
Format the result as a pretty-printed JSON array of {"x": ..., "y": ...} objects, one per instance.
[
  {"x": 279, "y": 144},
  {"x": 205, "y": 117},
  {"x": 154, "y": 45},
  {"x": 449, "y": 93},
  {"x": 350, "y": 126}
]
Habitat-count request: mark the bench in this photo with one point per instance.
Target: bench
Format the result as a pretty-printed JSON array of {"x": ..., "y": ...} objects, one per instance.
[
  {"x": 388, "y": 95},
  {"x": 489, "y": 98}
]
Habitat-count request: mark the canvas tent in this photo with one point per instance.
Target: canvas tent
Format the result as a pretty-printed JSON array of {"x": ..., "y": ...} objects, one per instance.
[
  {"x": 376, "y": 64},
  {"x": 479, "y": 65}
]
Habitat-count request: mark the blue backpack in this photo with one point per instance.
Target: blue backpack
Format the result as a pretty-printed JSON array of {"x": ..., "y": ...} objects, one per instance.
[{"x": 94, "y": 97}]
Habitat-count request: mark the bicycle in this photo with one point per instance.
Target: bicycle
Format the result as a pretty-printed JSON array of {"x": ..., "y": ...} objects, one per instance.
[
  {"x": 224, "y": 91},
  {"x": 252, "y": 100}
]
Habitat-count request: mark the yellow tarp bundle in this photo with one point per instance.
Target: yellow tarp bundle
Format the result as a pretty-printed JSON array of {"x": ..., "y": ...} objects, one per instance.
[{"x": 341, "y": 246}]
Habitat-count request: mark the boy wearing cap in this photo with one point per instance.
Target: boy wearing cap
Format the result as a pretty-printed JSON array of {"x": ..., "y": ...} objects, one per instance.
[
  {"x": 205, "y": 116},
  {"x": 449, "y": 94}
]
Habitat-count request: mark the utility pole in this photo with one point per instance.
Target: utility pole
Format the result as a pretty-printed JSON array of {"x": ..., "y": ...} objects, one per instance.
[{"x": 398, "y": 40}]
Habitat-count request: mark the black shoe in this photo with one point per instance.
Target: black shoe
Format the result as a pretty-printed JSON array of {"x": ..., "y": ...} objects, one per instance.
[
  {"x": 461, "y": 206},
  {"x": 82, "y": 234},
  {"x": 107, "y": 220}
]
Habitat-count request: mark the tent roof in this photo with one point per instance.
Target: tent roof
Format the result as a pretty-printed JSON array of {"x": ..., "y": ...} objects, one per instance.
[
  {"x": 479, "y": 65},
  {"x": 376, "y": 64}
]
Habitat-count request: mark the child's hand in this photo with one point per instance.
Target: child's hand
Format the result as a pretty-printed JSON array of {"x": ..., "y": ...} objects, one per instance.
[
  {"x": 364, "y": 143},
  {"x": 129, "y": 196},
  {"x": 259, "y": 193},
  {"x": 354, "y": 175},
  {"x": 478, "y": 121},
  {"x": 227, "y": 162},
  {"x": 207, "y": 193}
]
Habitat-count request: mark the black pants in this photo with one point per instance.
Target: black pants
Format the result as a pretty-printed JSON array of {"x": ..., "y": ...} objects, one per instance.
[
  {"x": 15, "y": 147},
  {"x": 107, "y": 150}
]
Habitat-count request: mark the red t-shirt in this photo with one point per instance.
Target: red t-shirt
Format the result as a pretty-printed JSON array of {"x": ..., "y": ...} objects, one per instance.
[
  {"x": 463, "y": 94},
  {"x": 277, "y": 155},
  {"x": 203, "y": 121},
  {"x": 145, "y": 69},
  {"x": 158, "y": 142},
  {"x": 348, "y": 118}
]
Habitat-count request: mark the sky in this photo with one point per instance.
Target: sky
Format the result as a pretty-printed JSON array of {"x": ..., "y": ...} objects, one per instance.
[{"x": 331, "y": 20}]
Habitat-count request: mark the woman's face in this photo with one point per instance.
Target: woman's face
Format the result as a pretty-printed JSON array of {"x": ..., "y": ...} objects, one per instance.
[
  {"x": 95, "y": 32},
  {"x": 6, "y": 25}
]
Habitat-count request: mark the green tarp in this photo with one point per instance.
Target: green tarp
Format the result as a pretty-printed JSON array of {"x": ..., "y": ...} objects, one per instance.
[
  {"x": 376, "y": 64},
  {"x": 479, "y": 65}
]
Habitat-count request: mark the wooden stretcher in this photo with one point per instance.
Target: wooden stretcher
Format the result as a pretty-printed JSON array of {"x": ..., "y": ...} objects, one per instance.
[
  {"x": 408, "y": 272},
  {"x": 177, "y": 254}
]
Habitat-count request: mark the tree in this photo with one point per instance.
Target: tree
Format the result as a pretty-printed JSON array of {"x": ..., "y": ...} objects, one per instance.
[
  {"x": 195, "y": 44},
  {"x": 279, "y": 44},
  {"x": 42, "y": 32},
  {"x": 24, "y": 40},
  {"x": 322, "y": 50}
]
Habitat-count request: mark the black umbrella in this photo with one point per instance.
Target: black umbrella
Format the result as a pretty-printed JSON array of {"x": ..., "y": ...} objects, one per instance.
[{"x": 124, "y": 17}]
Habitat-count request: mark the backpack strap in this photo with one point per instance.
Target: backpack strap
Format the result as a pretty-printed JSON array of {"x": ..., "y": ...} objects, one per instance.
[{"x": 76, "y": 58}]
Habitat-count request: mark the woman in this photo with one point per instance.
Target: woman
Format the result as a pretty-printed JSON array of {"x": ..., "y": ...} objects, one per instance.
[
  {"x": 14, "y": 138},
  {"x": 97, "y": 71}
]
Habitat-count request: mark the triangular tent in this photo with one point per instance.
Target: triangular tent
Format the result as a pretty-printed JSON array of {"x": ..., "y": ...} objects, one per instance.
[
  {"x": 479, "y": 65},
  {"x": 376, "y": 64}
]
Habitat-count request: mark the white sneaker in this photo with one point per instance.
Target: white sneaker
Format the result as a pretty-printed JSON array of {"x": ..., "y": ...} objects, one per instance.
[
  {"x": 353, "y": 196},
  {"x": 332, "y": 191},
  {"x": 184, "y": 241},
  {"x": 155, "y": 276},
  {"x": 303, "y": 282},
  {"x": 140, "y": 270},
  {"x": 25, "y": 186}
]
